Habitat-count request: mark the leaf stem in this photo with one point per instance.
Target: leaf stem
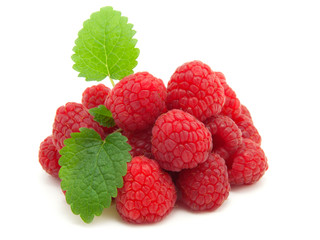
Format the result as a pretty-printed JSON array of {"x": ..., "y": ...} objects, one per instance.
[
  {"x": 112, "y": 82},
  {"x": 118, "y": 130}
]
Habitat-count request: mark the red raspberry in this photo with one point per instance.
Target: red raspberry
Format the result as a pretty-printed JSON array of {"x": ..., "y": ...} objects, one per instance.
[
  {"x": 70, "y": 118},
  {"x": 180, "y": 141},
  {"x": 140, "y": 142},
  {"x": 245, "y": 111},
  {"x": 248, "y": 164},
  {"x": 195, "y": 89},
  {"x": 49, "y": 157},
  {"x": 205, "y": 187},
  {"x": 225, "y": 133},
  {"x": 232, "y": 106},
  {"x": 136, "y": 101},
  {"x": 148, "y": 193},
  {"x": 95, "y": 95},
  {"x": 248, "y": 129}
]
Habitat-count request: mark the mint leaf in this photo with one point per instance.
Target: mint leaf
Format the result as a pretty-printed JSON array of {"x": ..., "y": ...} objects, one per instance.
[
  {"x": 103, "y": 116},
  {"x": 105, "y": 47},
  {"x": 92, "y": 170}
]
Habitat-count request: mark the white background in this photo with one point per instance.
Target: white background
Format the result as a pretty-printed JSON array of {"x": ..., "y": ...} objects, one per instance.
[{"x": 270, "y": 54}]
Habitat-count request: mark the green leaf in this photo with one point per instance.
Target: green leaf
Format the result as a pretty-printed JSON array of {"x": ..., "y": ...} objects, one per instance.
[
  {"x": 105, "y": 47},
  {"x": 92, "y": 170},
  {"x": 103, "y": 116}
]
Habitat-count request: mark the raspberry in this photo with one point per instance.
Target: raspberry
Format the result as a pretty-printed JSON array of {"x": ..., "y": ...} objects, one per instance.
[
  {"x": 148, "y": 193},
  {"x": 180, "y": 141},
  {"x": 95, "y": 95},
  {"x": 225, "y": 133},
  {"x": 248, "y": 129},
  {"x": 245, "y": 111},
  {"x": 140, "y": 142},
  {"x": 70, "y": 118},
  {"x": 232, "y": 106},
  {"x": 248, "y": 164},
  {"x": 205, "y": 187},
  {"x": 195, "y": 89},
  {"x": 49, "y": 157},
  {"x": 136, "y": 101}
]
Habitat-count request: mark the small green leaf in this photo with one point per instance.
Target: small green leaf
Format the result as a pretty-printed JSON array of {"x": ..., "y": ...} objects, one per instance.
[
  {"x": 103, "y": 116},
  {"x": 105, "y": 47},
  {"x": 92, "y": 170}
]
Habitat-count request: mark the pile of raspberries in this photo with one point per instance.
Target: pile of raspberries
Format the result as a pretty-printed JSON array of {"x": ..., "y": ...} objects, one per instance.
[{"x": 190, "y": 141}]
